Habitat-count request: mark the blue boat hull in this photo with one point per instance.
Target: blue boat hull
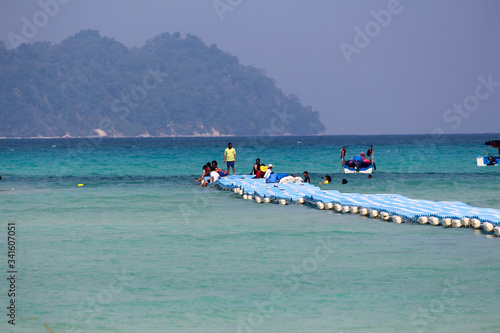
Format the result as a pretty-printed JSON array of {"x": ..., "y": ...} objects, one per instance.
[
  {"x": 488, "y": 160},
  {"x": 367, "y": 169}
]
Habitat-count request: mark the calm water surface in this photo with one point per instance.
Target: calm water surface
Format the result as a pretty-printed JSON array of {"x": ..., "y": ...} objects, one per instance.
[{"x": 141, "y": 248}]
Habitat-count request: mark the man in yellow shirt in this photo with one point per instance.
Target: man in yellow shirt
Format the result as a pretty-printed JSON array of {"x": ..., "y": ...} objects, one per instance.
[{"x": 230, "y": 156}]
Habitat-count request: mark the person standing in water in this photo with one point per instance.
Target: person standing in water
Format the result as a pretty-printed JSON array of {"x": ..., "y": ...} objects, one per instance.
[
  {"x": 306, "y": 177},
  {"x": 230, "y": 156}
]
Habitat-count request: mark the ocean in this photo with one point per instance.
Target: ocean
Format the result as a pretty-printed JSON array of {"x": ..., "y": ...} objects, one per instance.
[{"x": 139, "y": 247}]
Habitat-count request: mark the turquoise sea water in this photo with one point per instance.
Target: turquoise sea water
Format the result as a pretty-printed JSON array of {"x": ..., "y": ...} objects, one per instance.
[{"x": 141, "y": 248}]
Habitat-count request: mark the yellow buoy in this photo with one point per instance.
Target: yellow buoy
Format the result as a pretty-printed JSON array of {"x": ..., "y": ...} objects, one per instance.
[{"x": 80, "y": 184}]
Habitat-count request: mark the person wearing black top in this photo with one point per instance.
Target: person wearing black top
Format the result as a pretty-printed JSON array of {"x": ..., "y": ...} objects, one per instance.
[
  {"x": 306, "y": 177},
  {"x": 256, "y": 167}
]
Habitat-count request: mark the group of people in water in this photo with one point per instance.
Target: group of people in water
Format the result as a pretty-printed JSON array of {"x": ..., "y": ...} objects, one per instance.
[{"x": 212, "y": 173}]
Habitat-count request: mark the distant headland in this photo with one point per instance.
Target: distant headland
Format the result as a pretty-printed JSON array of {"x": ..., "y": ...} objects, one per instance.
[{"x": 94, "y": 86}]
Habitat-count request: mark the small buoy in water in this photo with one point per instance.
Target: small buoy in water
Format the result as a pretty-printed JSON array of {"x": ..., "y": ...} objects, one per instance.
[
  {"x": 320, "y": 205},
  {"x": 300, "y": 200},
  {"x": 475, "y": 223},
  {"x": 345, "y": 209},
  {"x": 363, "y": 211},
  {"x": 423, "y": 220},
  {"x": 465, "y": 221},
  {"x": 396, "y": 219},
  {"x": 80, "y": 184},
  {"x": 354, "y": 210},
  {"x": 433, "y": 220},
  {"x": 496, "y": 230},
  {"x": 487, "y": 226},
  {"x": 374, "y": 213},
  {"x": 338, "y": 207},
  {"x": 258, "y": 199},
  {"x": 446, "y": 222},
  {"x": 282, "y": 202},
  {"x": 456, "y": 223},
  {"x": 267, "y": 200},
  {"x": 385, "y": 216},
  {"x": 329, "y": 205}
]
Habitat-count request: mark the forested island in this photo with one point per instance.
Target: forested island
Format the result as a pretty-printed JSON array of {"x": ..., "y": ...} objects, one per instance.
[{"x": 90, "y": 85}]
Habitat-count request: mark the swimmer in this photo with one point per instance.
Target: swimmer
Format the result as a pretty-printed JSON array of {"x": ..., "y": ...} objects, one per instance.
[{"x": 328, "y": 180}]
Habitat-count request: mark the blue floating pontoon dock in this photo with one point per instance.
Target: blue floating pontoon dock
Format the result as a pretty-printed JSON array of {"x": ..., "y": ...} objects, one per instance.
[{"x": 387, "y": 207}]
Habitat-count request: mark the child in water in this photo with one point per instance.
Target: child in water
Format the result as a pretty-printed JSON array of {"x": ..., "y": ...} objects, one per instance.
[{"x": 328, "y": 180}]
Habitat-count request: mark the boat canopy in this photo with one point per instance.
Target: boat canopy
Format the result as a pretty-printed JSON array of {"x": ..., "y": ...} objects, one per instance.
[
  {"x": 494, "y": 144},
  {"x": 343, "y": 151}
]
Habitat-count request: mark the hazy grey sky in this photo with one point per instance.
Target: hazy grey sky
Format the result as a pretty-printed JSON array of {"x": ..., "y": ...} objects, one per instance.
[{"x": 369, "y": 67}]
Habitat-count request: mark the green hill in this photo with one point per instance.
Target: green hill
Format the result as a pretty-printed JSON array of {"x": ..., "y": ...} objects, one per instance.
[{"x": 169, "y": 86}]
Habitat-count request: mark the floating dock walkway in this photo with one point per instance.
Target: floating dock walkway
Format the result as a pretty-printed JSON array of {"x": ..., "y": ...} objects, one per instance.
[{"x": 387, "y": 207}]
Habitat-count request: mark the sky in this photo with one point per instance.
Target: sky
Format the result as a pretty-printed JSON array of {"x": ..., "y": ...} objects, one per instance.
[{"x": 367, "y": 66}]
